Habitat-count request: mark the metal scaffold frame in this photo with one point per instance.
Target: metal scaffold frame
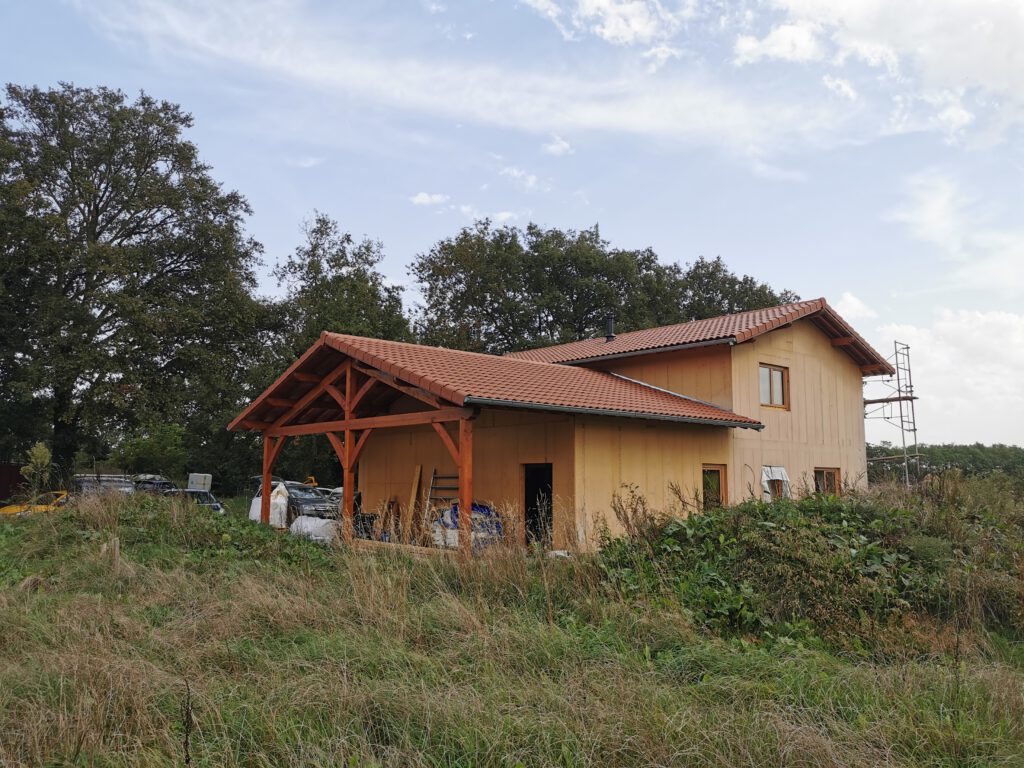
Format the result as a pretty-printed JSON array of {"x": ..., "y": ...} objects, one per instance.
[{"x": 896, "y": 406}]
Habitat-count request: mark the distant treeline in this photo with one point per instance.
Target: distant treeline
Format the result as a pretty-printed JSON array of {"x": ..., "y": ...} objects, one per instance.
[{"x": 972, "y": 460}]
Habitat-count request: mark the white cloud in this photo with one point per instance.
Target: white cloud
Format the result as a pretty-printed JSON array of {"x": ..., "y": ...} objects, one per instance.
[
  {"x": 525, "y": 179},
  {"x": 557, "y": 146},
  {"x": 306, "y": 162},
  {"x": 981, "y": 255},
  {"x": 659, "y": 55},
  {"x": 840, "y": 86},
  {"x": 935, "y": 46},
  {"x": 629, "y": 22},
  {"x": 284, "y": 40},
  {"x": 428, "y": 198},
  {"x": 505, "y": 216},
  {"x": 774, "y": 172},
  {"x": 966, "y": 367},
  {"x": 788, "y": 42},
  {"x": 853, "y": 308}
]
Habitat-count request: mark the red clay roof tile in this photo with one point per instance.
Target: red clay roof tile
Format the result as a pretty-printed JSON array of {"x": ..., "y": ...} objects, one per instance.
[{"x": 738, "y": 327}]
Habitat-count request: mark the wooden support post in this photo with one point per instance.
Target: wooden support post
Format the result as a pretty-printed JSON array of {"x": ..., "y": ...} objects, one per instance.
[
  {"x": 465, "y": 486},
  {"x": 268, "y": 452},
  {"x": 271, "y": 450},
  {"x": 349, "y": 476}
]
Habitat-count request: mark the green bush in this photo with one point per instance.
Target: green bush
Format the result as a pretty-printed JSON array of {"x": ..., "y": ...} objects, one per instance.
[{"x": 857, "y": 572}]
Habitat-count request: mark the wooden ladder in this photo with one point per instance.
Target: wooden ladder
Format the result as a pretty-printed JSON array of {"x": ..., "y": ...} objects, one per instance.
[{"x": 444, "y": 489}]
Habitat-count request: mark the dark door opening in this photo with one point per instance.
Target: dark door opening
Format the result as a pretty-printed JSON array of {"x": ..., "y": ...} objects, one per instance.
[{"x": 537, "y": 497}]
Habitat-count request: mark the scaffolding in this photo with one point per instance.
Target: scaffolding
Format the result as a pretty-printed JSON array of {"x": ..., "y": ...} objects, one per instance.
[{"x": 895, "y": 406}]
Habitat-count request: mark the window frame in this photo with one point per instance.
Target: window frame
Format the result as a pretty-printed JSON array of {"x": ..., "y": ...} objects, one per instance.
[
  {"x": 785, "y": 386},
  {"x": 723, "y": 497},
  {"x": 836, "y": 480}
]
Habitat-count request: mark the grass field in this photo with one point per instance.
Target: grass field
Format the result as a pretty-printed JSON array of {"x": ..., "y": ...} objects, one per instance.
[{"x": 134, "y": 631}]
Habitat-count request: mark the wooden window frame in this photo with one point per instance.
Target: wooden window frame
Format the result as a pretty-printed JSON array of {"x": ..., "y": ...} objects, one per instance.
[
  {"x": 723, "y": 484},
  {"x": 836, "y": 477},
  {"x": 785, "y": 385}
]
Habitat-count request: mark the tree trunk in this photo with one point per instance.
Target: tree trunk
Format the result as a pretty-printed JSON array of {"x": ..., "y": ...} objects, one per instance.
[{"x": 65, "y": 430}]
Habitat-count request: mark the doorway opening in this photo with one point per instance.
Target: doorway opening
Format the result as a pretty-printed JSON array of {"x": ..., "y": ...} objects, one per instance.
[{"x": 537, "y": 503}]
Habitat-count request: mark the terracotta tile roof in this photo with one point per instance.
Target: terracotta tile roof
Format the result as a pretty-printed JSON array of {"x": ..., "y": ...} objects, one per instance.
[
  {"x": 469, "y": 378},
  {"x": 737, "y": 328}
]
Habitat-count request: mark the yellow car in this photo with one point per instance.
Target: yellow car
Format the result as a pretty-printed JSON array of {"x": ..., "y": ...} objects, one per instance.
[{"x": 45, "y": 502}]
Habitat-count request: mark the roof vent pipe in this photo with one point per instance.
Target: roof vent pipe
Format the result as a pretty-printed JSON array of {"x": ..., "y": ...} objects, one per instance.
[{"x": 609, "y": 328}]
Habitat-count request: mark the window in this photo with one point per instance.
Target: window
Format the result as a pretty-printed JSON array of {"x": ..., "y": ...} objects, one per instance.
[
  {"x": 774, "y": 386},
  {"x": 826, "y": 480},
  {"x": 714, "y": 485},
  {"x": 774, "y": 483}
]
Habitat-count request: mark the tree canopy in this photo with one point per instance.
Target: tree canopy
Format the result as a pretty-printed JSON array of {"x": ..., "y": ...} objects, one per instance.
[
  {"x": 498, "y": 289},
  {"x": 135, "y": 265},
  {"x": 131, "y": 323}
]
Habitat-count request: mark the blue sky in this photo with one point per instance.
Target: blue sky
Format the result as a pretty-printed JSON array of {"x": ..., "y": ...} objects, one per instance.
[{"x": 867, "y": 151}]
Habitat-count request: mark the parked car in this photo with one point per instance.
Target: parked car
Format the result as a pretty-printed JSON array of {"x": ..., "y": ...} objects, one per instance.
[
  {"x": 302, "y": 500},
  {"x": 153, "y": 484},
  {"x": 88, "y": 484},
  {"x": 202, "y": 498},
  {"x": 44, "y": 502}
]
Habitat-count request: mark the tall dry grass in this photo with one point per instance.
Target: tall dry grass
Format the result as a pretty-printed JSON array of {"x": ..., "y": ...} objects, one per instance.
[{"x": 297, "y": 654}]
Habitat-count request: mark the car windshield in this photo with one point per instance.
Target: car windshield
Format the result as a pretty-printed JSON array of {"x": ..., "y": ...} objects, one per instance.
[
  {"x": 203, "y": 497},
  {"x": 302, "y": 492}
]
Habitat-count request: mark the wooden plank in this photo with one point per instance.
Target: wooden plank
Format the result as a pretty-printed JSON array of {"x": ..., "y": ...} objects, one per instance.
[
  {"x": 374, "y": 422},
  {"x": 466, "y": 486},
  {"x": 409, "y": 512},
  {"x": 843, "y": 341},
  {"x": 279, "y": 402},
  {"x": 308, "y": 378},
  {"x": 447, "y": 440}
]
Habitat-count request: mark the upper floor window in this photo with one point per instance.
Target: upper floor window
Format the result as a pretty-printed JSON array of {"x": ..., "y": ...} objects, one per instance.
[{"x": 774, "y": 386}]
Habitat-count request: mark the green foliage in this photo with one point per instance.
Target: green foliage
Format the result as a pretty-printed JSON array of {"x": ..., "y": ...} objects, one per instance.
[
  {"x": 38, "y": 469},
  {"x": 156, "y": 448},
  {"x": 499, "y": 289},
  {"x": 332, "y": 284},
  {"x": 133, "y": 271},
  {"x": 855, "y": 573},
  {"x": 297, "y": 654}
]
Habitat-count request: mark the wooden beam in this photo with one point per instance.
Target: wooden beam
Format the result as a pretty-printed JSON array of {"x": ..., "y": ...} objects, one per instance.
[
  {"x": 843, "y": 341},
  {"x": 276, "y": 450},
  {"x": 359, "y": 446},
  {"x": 363, "y": 390},
  {"x": 466, "y": 486},
  {"x": 447, "y": 440},
  {"x": 309, "y": 378},
  {"x": 312, "y": 395},
  {"x": 414, "y": 392},
  {"x": 375, "y": 422},
  {"x": 255, "y": 425},
  {"x": 334, "y": 392},
  {"x": 338, "y": 446}
]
